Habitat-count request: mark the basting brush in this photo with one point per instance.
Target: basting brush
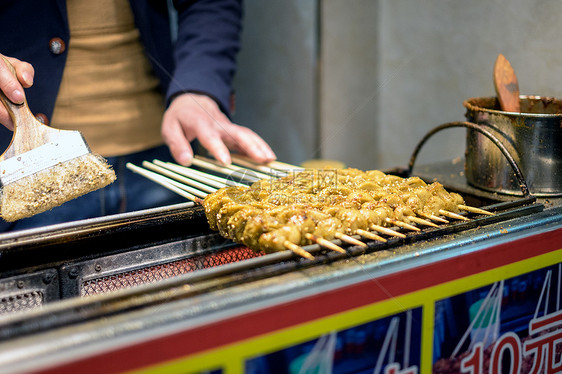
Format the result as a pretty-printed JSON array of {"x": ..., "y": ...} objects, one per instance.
[{"x": 43, "y": 167}]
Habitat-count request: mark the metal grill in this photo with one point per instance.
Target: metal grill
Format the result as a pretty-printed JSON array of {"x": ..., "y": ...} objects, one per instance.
[
  {"x": 163, "y": 271},
  {"x": 21, "y": 302}
]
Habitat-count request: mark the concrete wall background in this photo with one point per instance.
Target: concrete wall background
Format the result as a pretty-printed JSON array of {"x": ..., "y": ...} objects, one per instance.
[
  {"x": 349, "y": 92},
  {"x": 388, "y": 72},
  {"x": 276, "y": 81}
]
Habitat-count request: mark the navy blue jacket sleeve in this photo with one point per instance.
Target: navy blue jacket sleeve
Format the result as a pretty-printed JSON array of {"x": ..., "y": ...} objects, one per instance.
[{"x": 208, "y": 40}]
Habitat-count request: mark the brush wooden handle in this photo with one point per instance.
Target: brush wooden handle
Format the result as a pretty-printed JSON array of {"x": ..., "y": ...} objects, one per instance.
[{"x": 29, "y": 133}]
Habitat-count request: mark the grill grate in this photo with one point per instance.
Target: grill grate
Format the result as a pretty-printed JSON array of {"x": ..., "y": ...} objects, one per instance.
[
  {"x": 21, "y": 302},
  {"x": 155, "y": 273}
]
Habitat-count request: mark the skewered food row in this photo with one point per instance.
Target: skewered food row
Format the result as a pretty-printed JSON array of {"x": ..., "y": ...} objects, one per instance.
[{"x": 304, "y": 206}]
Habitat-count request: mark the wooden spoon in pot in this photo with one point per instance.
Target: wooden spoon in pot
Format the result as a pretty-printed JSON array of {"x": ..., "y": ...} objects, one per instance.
[{"x": 507, "y": 87}]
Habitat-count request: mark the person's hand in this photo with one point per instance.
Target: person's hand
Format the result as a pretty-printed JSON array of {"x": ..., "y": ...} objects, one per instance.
[
  {"x": 13, "y": 86},
  {"x": 192, "y": 116}
]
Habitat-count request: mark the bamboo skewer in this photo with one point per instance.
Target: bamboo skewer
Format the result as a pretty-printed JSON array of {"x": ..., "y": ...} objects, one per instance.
[
  {"x": 211, "y": 180},
  {"x": 298, "y": 250},
  {"x": 422, "y": 221},
  {"x": 349, "y": 240},
  {"x": 223, "y": 170},
  {"x": 284, "y": 166},
  {"x": 370, "y": 235},
  {"x": 183, "y": 187},
  {"x": 433, "y": 217},
  {"x": 281, "y": 166},
  {"x": 233, "y": 168},
  {"x": 163, "y": 181},
  {"x": 194, "y": 194},
  {"x": 191, "y": 190},
  {"x": 402, "y": 224},
  {"x": 182, "y": 190},
  {"x": 475, "y": 210},
  {"x": 387, "y": 231},
  {"x": 259, "y": 167},
  {"x": 328, "y": 244},
  {"x": 446, "y": 213},
  {"x": 160, "y": 167},
  {"x": 247, "y": 162},
  {"x": 179, "y": 178},
  {"x": 324, "y": 243}
]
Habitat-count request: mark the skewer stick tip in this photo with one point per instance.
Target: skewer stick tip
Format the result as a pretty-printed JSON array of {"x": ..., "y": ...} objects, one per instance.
[
  {"x": 446, "y": 213},
  {"x": 298, "y": 250},
  {"x": 422, "y": 221},
  {"x": 402, "y": 224},
  {"x": 325, "y": 243},
  {"x": 387, "y": 231},
  {"x": 370, "y": 235},
  {"x": 433, "y": 217},
  {"x": 349, "y": 240},
  {"x": 475, "y": 210}
]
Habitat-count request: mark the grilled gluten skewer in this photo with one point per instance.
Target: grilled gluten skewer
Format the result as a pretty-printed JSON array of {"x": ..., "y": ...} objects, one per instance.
[{"x": 322, "y": 204}]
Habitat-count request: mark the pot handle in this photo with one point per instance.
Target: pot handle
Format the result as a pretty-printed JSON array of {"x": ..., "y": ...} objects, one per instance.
[{"x": 486, "y": 133}]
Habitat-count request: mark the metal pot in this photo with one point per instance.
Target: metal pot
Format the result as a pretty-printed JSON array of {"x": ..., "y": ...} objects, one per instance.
[{"x": 532, "y": 137}]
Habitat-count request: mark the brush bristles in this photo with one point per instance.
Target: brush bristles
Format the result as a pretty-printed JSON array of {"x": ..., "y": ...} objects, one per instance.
[{"x": 54, "y": 186}]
